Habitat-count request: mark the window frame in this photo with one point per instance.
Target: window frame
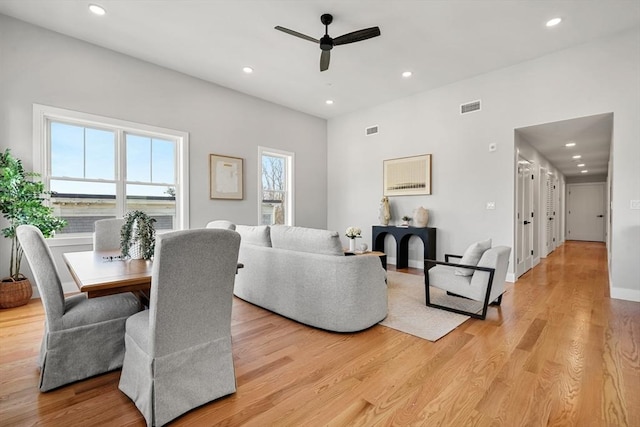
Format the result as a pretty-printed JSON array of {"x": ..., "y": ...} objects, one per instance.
[
  {"x": 290, "y": 182},
  {"x": 43, "y": 114}
]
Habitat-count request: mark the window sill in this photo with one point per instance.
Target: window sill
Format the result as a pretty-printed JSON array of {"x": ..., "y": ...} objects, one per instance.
[{"x": 70, "y": 240}]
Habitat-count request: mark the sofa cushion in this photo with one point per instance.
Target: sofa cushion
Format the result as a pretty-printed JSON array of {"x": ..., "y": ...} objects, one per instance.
[
  {"x": 471, "y": 256},
  {"x": 258, "y": 235},
  {"x": 304, "y": 239}
]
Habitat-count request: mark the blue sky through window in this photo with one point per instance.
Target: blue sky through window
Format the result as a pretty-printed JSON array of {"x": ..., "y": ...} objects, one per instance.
[{"x": 88, "y": 153}]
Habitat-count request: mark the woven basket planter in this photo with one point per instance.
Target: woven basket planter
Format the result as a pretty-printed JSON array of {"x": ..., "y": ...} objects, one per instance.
[{"x": 15, "y": 293}]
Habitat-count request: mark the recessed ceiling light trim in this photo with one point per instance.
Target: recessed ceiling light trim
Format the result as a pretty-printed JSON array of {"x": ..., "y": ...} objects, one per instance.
[
  {"x": 570, "y": 144},
  {"x": 407, "y": 74},
  {"x": 97, "y": 10},
  {"x": 584, "y": 171},
  {"x": 247, "y": 70},
  {"x": 329, "y": 102},
  {"x": 577, "y": 156},
  {"x": 581, "y": 165},
  {"x": 553, "y": 22}
]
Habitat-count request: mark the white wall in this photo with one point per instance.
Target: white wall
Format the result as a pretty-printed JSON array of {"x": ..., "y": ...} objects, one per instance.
[
  {"x": 594, "y": 78},
  {"x": 40, "y": 66}
]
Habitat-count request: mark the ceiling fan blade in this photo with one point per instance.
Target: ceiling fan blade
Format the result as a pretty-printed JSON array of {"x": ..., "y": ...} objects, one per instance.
[
  {"x": 325, "y": 57},
  {"x": 297, "y": 34},
  {"x": 357, "y": 36}
]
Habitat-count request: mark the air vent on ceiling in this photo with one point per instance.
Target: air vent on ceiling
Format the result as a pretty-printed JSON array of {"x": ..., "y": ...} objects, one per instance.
[
  {"x": 371, "y": 130},
  {"x": 470, "y": 107}
]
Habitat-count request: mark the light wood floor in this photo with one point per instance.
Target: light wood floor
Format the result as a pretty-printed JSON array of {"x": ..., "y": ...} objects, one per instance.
[{"x": 558, "y": 352}]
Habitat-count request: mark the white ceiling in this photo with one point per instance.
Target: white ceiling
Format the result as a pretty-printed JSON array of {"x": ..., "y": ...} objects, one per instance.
[{"x": 440, "y": 41}]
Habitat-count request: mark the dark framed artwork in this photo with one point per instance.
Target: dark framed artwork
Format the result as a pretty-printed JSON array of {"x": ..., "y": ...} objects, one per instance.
[{"x": 407, "y": 176}]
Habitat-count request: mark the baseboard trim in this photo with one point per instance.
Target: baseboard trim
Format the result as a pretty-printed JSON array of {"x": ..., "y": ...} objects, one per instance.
[{"x": 625, "y": 294}]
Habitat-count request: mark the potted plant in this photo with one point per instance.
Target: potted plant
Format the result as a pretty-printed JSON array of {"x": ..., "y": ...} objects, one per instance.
[
  {"x": 138, "y": 236},
  {"x": 405, "y": 220},
  {"x": 22, "y": 202}
]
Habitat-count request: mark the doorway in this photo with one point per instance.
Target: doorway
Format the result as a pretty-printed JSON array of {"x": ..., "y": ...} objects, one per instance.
[
  {"x": 586, "y": 212},
  {"x": 524, "y": 217}
]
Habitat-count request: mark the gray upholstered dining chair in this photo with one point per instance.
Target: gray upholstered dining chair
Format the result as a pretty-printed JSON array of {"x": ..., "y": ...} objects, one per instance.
[
  {"x": 106, "y": 235},
  {"x": 221, "y": 223},
  {"x": 83, "y": 337},
  {"x": 482, "y": 279},
  {"x": 178, "y": 353}
]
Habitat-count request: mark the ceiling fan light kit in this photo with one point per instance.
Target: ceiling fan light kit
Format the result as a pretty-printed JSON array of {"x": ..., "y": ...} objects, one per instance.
[{"x": 327, "y": 42}]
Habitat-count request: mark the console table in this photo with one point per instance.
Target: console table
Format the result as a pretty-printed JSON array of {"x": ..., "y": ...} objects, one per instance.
[{"x": 402, "y": 236}]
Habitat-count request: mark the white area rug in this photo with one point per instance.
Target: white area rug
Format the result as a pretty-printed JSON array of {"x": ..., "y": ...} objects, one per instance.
[{"x": 408, "y": 312}]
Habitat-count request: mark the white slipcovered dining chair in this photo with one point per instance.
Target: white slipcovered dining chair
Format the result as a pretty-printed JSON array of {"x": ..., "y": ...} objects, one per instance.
[
  {"x": 480, "y": 277},
  {"x": 221, "y": 223},
  {"x": 178, "y": 353},
  {"x": 83, "y": 337},
  {"x": 106, "y": 235}
]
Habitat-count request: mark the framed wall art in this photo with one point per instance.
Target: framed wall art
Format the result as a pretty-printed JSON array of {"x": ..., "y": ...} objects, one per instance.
[
  {"x": 407, "y": 176},
  {"x": 225, "y": 177}
]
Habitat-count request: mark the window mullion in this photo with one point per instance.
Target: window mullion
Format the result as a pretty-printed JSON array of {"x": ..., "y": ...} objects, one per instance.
[{"x": 121, "y": 166}]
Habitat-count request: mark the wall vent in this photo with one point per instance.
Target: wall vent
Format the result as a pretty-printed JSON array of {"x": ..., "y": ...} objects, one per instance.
[
  {"x": 470, "y": 107},
  {"x": 371, "y": 130}
]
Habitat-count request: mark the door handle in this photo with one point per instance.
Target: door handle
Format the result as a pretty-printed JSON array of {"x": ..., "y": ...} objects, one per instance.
[
  {"x": 600, "y": 216},
  {"x": 526, "y": 222}
]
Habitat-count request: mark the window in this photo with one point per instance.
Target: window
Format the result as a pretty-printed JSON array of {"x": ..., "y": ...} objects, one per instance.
[
  {"x": 97, "y": 167},
  {"x": 275, "y": 187}
]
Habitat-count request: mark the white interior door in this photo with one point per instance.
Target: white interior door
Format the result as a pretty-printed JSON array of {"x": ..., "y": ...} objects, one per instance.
[
  {"x": 524, "y": 217},
  {"x": 585, "y": 212},
  {"x": 550, "y": 210}
]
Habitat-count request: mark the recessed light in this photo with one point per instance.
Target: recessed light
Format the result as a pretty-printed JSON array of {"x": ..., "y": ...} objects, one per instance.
[
  {"x": 570, "y": 144},
  {"x": 407, "y": 74},
  {"x": 247, "y": 70},
  {"x": 581, "y": 165},
  {"x": 97, "y": 10},
  {"x": 553, "y": 22},
  {"x": 584, "y": 171},
  {"x": 577, "y": 156},
  {"x": 329, "y": 102}
]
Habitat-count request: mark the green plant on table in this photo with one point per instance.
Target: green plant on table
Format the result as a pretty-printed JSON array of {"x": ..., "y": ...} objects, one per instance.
[{"x": 138, "y": 227}]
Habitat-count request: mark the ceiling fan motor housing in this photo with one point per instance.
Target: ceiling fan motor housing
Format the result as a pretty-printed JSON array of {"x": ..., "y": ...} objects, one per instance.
[{"x": 326, "y": 43}]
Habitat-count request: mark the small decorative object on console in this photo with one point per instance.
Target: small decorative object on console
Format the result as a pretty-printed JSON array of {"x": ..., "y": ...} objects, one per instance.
[
  {"x": 405, "y": 221},
  {"x": 384, "y": 215},
  {"x": 421, "y": 217},
  {"x": 353, "y": 233}
]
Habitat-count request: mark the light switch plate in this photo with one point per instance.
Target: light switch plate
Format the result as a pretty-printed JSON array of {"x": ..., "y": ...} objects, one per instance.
[
  {"x": 635, "y": 204},
  {"x": 491, "y": 205}
]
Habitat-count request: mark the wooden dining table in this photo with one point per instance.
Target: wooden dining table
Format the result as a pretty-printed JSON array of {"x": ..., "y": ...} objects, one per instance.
[{"x": 100, "y": 273}]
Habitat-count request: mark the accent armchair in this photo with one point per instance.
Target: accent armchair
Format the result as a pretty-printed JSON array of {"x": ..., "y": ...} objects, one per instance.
[
  {"x": 178, "y": 353},
  {"x": 83, "y": 337},
  {"x": 483, "y": 282}
]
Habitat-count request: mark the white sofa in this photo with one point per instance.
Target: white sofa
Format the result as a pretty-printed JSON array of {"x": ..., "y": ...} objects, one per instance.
[{"x": 302, "y": 273}]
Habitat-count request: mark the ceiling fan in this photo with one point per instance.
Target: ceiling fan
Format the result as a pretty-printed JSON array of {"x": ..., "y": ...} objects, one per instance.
[{"x": 327, "y": 42}]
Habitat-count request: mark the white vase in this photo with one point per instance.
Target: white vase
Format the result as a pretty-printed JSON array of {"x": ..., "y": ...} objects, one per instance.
[
  {"x": 135, "y": 250},
  {"x": 352, "y": 245}
]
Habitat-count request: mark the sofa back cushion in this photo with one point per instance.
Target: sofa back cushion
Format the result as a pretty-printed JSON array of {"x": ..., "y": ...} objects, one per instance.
[
  {"x": 304, "y": 239},
  {"x": 258, "y": 235}
]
